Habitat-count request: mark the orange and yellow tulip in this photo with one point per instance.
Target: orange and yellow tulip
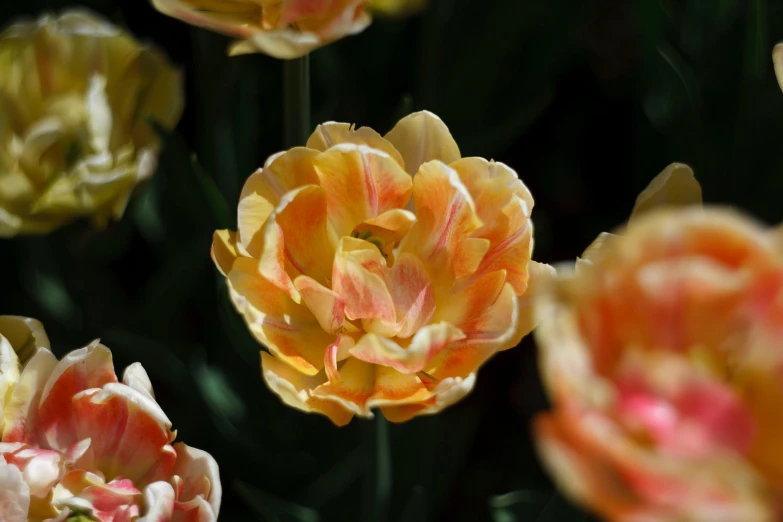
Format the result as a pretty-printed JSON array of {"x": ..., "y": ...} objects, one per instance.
[
  {"x": 282, "y": 28},
  {"x": 660, "y": 351},
  {"x": 380, "y": 271}
]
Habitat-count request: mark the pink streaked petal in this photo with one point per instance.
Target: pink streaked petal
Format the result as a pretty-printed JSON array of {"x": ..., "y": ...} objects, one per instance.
[
  {"x": 80, "y": 370},
  {"x": 41, "y": 469},
  {"x": 412, "y": 293},
  {"x": 410, "y": 359},
  {"x": 327, "y": 306},
  {"x": 494, "y": 329},
  {"x": 446, "y": 217},
  {"x": 359, "y": 277},
  {"x": 195, "y": 510},
  {"x": 288, "y": 329},
  {"x": 360, "y": 183},
  {"x": 297, "y": 239},
  {"x": 129, "y": 432},
  {"x": 343, "y": 344}
]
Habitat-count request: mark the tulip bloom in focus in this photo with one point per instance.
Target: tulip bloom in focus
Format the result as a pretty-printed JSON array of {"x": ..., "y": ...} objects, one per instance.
[
  {"x": 282, "y": 28},
  {"x": 76, "y": 99},
  {"x": 661, "y": 354},
  {"x": 78, "y": 443},
  {"x": 380, "y": 272}
]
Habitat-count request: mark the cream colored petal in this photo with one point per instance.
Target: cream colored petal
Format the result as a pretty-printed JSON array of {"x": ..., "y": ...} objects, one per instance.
[
  {"x": 422, "y": 137},
  {"x": 135, "y": 376},
  {"x": 675, "y": 186},
  {"x": 290, "y": 330},
  {"x": 25, "y": 335},
  {"x": 21, "y": 413},
  {"x": 329, "y": 134},
  {"x": 777, "y": 60},
  {"x": 14, "y": 494},
  {"x": 201, "y": 477}
]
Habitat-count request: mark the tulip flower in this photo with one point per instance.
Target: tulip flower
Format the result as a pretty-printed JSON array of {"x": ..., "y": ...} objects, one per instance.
[
  {"x": 660, "y": 354},
  {"x": 79, "y": 445},
  {"x": 77, "y": 98},
  {"x": 380, "y": 272},
  {"x": 284, "y": 29}
]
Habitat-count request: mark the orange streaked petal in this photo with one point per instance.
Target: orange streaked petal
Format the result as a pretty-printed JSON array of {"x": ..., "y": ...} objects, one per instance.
[
  {"x": 359, "y": 276},
  {"x": 329, "y": 134},
  {"x": 445, "y": 216},
  {"x": 288, "y": 329},
  {"x": 296, "y": 240},
  {"x": 393, "y": 387},
  {"x": 353, "y": 389},
  {"x": 224, "y": 250},
  {"x": 361, "y": 183},
  {"x": 422, "y": 137},
  {"x": 327, "y": 306},
  {"x": 428, "y": 342},
  {"x": 412, "y": 293}
]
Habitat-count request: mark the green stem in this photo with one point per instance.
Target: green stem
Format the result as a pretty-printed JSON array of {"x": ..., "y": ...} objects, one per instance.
[
  {"x": 379, "y": 469},
  {"x": 296, "y": 99}
]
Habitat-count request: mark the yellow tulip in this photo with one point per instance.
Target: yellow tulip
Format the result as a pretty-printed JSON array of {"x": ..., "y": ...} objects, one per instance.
[
  {"x": 380, "y": 272},
  {"x": 660, "y": 351},
  {"x": 76, "y": 99},
  {"x": 282, "y": 28}
]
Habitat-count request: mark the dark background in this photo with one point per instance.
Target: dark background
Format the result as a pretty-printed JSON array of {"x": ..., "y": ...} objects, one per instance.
[{"x": 586, "y": 99}]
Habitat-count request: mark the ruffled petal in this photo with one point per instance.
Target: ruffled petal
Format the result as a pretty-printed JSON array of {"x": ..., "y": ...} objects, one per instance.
[
  {"x": 446, "y": 217},
  {"x": 289, "y": 330},
  {"x": 26, "y": 335},
  {"x": 327, "y": 306},
  {"x": 200, "y": 477},
  {"x": 159, "y": 500},
  {"x": 413, "y": 295},
  {"x": 675, "y": 186},
  {"x": 129, "y": 433},
  {"x": 297, "y": 241},
  {"x": 21, "y": 412},
  {"x": 422, "y": 137},
  {"x": 360, "y": 183},
  {"x": 14, "y": 494},
  {"x": 329, "y": 134},
  {"x": 428, "y": 342},
  {"x": 83, "y": 369}
]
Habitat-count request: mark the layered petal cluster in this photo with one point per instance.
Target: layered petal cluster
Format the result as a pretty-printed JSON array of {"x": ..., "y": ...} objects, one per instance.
[
  {"x": 78, "y": 443},
  {"x": 661, "y": 354},
  {"x": 380, "y": 271},
  {"x": 282, "y": 28},
  {"x": 77, "y": 96}
]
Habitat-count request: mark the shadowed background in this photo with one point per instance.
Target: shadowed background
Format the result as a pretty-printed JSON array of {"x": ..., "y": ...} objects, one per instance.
[{"x": 586, "y": 100}]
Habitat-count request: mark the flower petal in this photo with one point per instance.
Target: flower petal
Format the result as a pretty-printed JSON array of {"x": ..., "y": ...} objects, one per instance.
[
  {"x": 289, "y": 330},
  {"x": 360, "y": 278},
  {"x": 159, "y": 500},
  {"x": 136, "y": 377},
  {"x": 297, "y": 240},
  {"x": 83, "y": 369},
  {"x": 332, "y": 133},
  {"x": 224, "y": 250},
  {"x": 26, "y": 335},
  {"x": 327, "y": 306},
  {"x": 445, "y": 216},
  {"x": 422, "y": 137},
  {"x": 355, "y": 387},
  {"x": 264, "y": 189},
  {"x": 14, "y": 494},
  {"x": 410, "y": 359},
  {"x": 200, "y": 478},
  {"x": 21, "y": 412},
  {"x": 412, "y": 293},
  {"x": 360, "y": 183},
  {"x": 675, "y": 186}
]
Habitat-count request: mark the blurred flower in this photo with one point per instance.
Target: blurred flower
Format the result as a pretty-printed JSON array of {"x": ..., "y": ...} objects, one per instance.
[
  {"x": 282, "y": 28},
  {"x": 777, "y": 61},
  {"x": 76, "y": 99},
  {"x": 661, "y": 354},
  {"x": 78, "y": 443},
  {"x": 372, "y": 286}
]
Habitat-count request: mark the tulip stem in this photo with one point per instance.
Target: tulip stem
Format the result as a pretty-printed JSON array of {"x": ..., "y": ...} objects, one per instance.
[
  {"x": 379, "y": 469},
  {"x": 296, "y": 99}
]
